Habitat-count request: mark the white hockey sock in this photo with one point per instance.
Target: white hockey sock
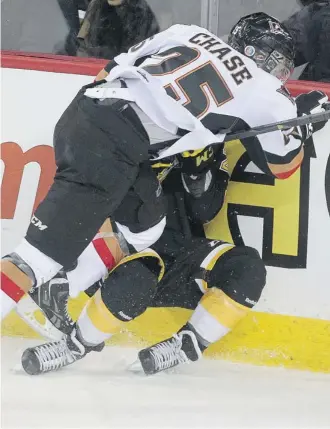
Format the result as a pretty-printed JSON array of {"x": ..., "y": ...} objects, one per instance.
[
  {"x": 99, "y": 257},
  {"x": 216, "y": 315},
  {"x": 96, "y": 323},
  {"x": 207, "y": 326},
  {"x": 91, "y": 335},
  {"x": 90, "y": 268}
]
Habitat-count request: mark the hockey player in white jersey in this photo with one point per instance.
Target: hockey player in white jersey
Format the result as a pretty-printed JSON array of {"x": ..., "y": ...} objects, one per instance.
[
  {"x": 210, "y": 92},
  {"x": 174, "y": 93}
]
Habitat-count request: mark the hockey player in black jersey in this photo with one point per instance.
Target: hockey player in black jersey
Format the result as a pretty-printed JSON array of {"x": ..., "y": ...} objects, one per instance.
[{"x": 180, "y": 88}]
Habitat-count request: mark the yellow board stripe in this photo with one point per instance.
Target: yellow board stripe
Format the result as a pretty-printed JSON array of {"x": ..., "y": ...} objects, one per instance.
[{"x": 260, "y": 338}]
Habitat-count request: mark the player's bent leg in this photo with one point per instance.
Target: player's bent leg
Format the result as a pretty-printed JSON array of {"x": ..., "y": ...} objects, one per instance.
[
  {"x": 58, "y": 233},
  {"x": 64, "y": 224},
  {"x": 232, "y": 284},
  {"x": 124, "y": 295},
  {"x": 21, "y": 270},
  {"x": 99, "y": 257},
  {"x": 235, "y": 284},
  {"x": 105, "y": 251},
  {"x": 96, "y": 166},
  {"x": 95, "y": 169}
]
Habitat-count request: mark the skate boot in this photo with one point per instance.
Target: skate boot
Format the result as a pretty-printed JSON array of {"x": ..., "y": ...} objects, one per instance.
[
  {"x": 58, "y": 354},
  {"x": 182, "y": 348},
  {"x": 52, "y": 297}
]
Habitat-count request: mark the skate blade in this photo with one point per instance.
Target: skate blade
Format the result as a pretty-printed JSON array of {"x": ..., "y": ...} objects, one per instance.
[
  {"x": 27, "y": 309},
  {"x": 136, "y": 367}
]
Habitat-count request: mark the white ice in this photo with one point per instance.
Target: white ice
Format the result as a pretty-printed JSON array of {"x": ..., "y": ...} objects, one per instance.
[{"x": 99, "y": 392}]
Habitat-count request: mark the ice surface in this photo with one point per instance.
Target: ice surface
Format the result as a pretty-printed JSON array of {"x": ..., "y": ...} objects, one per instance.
[{"x": 99, "y": 392}]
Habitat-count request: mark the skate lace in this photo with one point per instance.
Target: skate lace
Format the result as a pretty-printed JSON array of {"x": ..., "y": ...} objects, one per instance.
[
  {"x": 168, "y": 353},
  {"x": 67, "y": 314},
  {"x": 54, "y": 355}
]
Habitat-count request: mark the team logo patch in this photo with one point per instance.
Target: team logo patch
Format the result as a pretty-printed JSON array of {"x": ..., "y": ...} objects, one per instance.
[
  {"x": 249, "y": 51},
  {"x": 275, "y": 28}
]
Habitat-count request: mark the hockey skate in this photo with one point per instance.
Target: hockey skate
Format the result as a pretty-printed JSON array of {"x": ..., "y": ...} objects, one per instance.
[
  {"x": 58, "y": 354},
  {"x": 182, "y": 348},
  {"x": 52, "y": 297}
]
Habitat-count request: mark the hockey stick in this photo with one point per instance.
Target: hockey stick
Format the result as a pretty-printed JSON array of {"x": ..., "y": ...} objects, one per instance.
[
  {"x": 313, "y": 118},
  {"x": 279, "y": 126}
]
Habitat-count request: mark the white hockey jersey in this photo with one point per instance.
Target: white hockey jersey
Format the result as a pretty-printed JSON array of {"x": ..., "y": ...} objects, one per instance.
[{"x": 185, "y": 78}]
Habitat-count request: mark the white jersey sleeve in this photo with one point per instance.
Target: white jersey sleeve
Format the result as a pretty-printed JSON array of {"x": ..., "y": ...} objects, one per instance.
[{"x": 275, "y": 151}]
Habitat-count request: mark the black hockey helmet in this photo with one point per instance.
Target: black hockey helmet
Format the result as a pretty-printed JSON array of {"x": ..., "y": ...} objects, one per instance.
[{"x": 267, "y": 42}]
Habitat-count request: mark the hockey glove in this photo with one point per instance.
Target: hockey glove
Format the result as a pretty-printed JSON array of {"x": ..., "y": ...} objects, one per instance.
[{"x": 311, "y": 103}]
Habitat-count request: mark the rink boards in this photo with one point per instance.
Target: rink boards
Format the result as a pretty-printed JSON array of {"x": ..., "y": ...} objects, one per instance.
[{"x": 287, "y": 221}]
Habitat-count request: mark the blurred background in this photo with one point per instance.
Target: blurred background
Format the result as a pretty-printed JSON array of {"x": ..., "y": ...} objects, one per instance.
[
  {"x": 43, "y": 25},
  {"x": 105, "y": 28}
]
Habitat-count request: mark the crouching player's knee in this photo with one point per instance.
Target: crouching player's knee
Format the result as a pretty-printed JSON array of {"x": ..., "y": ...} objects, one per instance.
[
  {"x": 234, "y": 285},
  {"x": 241, "y": 274},
  {"x": 124, "y": 295},
  {"x": 129, "y": 289}
]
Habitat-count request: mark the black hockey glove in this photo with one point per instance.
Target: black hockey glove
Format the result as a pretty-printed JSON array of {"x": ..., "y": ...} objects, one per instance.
[{"x": 310, "y": 103}]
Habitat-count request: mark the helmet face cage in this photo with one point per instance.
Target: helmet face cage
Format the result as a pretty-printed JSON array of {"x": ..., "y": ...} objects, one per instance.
[
  {"x": 264, "y": 40},
  {"x": 273, "y": 62}
]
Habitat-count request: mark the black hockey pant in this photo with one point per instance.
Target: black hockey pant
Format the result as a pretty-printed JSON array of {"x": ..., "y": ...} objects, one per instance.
[{"x": 101, "y": 152}]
